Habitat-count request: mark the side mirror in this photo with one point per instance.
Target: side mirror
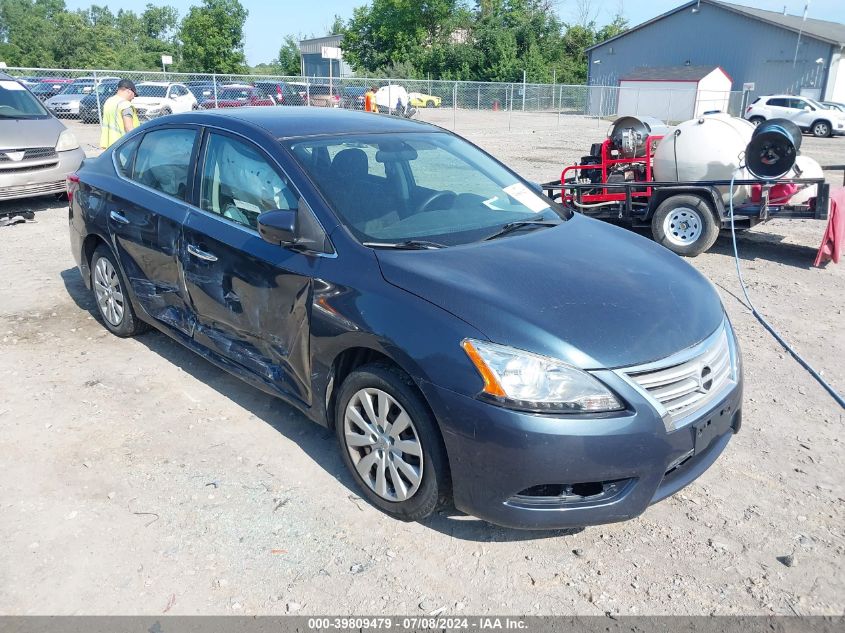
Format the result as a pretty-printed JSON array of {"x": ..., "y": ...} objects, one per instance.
[
  {"x": 808, "y": 109},
  {"x": 278, "y": 227}
]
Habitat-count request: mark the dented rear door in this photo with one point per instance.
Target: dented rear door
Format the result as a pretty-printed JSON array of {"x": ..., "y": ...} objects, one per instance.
[{"x": 145, "y": 217}]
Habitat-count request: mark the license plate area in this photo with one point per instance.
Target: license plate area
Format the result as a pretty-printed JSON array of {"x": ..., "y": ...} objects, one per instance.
[{"x": 706, "y": 430}]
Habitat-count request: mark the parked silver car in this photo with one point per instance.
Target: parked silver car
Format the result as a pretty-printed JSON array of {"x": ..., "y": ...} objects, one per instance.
[
  {"x": 66, "y": 104},
  {"x": 37, "y": 152}
]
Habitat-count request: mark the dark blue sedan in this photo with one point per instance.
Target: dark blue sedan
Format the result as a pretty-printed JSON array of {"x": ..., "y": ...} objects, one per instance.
[{"x": 463, "y": 335}]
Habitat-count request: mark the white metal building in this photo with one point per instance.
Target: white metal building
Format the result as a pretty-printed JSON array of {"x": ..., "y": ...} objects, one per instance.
[{"x": 674, "y": 93}]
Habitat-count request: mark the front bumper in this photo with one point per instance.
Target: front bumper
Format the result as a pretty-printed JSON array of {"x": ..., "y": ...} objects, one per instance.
[
  {"x": 65, "y": 110},
  {"x": 27, "y": 181},
  {"x": 496, "y": 453}
]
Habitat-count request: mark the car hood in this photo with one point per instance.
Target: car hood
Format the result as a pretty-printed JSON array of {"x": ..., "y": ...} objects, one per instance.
[
  {"x": 22, "y": 133},
  {"x": 66, "y": 98},
  {"x": 588, "y": 293}
]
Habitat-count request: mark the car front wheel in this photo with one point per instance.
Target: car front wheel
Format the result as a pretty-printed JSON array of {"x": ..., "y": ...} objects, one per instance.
[
  {"x": 821, "y": 129},
  {"x": 113, "y": 303},
  {"x": 390, "y": 442}
]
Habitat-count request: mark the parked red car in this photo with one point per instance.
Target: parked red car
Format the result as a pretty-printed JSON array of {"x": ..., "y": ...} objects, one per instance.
[{"x": 237, "y": 96}]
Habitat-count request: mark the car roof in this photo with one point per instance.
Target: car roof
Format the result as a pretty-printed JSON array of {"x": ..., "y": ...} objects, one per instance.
[
  {"x": 157, "y": 83},
  {"x": 301, "y": 121}
]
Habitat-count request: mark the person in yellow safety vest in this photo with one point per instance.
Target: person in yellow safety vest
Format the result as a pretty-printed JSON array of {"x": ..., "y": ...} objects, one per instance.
[
  {"x": 119, "y": 115},
  {"x": 370, "y": 100}
]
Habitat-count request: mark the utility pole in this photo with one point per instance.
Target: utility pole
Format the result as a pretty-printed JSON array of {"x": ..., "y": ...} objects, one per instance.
[{"x": 523, "y": 90}]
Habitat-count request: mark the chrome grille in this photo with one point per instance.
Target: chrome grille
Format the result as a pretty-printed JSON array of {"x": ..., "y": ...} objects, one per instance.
[
  {"x": 29, "y": 153},
  {"x": 687, "y": 382}
]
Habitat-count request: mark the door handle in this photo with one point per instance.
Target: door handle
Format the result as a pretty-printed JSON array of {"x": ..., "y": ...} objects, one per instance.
[
  {"x": 118, "y": 217},
  {"x": 200, "y": 254}
]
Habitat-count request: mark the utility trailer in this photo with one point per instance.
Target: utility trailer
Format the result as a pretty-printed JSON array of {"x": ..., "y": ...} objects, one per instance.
[{"x": 617, "y": 182}]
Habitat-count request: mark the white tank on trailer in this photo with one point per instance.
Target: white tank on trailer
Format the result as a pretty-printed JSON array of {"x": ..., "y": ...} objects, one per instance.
[{"x": 708, "y": 147}]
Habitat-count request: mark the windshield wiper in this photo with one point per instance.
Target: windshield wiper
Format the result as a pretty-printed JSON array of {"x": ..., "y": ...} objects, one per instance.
[
  {"x": 408, "y": 245},
  {"x": 510, "y": 227}
]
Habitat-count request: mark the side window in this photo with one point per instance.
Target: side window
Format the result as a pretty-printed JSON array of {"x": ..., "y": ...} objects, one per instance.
[
  {"x": 800, "y": 104},
  {"x": 781, "y": 103},
  {"x": 239, "y": 183},
  {"x": 163, "y": 160},
  {"x": 123, "y": 156}
]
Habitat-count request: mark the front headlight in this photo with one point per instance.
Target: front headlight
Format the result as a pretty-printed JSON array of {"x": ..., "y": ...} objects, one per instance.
[
  {"x": 523, "y": 380},
  {"x": 67, "y": 142}
]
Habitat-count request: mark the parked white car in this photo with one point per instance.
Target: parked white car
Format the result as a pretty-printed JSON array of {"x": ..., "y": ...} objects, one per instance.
[
  {"x": 160, "y": 98},
  {"x": 808, "y": 114}
]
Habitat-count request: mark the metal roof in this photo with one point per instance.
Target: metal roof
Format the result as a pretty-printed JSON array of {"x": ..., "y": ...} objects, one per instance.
[
  {"x": 669, "y": 73},
  {"x": 315, "y": 44},
  {"x": 831, "y": 32}
]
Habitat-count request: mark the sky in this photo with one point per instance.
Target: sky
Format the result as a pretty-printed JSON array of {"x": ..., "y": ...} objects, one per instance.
[{"x": 270, "y": 21}]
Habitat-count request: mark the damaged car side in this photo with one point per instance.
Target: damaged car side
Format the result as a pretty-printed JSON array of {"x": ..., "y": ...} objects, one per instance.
[{"x": 462, "y": 334}]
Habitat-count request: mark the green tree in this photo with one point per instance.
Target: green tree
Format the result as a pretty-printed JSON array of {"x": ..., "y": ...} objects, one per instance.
[
  {"x": 27, "y": 31},
  {"x": 288, "y": 62},
  {"x": 391, "y": 32},
  {"x": 212, "y": 37}
]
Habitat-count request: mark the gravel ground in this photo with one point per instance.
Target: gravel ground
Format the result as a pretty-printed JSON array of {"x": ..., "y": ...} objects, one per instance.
[{"x": 137, "y": 478}]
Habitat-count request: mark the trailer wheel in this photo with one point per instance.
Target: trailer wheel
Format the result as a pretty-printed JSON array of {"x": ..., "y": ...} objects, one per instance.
[{"x": 685, "y": 224}]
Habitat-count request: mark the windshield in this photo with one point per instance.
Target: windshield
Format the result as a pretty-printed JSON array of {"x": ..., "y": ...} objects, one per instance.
[
  {"x": 42, "y": 88},
  {"x": 16, "y": 102},
  {"x": 107, "y": 88},
  {"x": 234, "y": 94},
  {"x": 77, "y": 88},
  {"x": 815, "y": 104},
  {"x": 147, "y": 90},
  {"x": 418, "y": 186}
]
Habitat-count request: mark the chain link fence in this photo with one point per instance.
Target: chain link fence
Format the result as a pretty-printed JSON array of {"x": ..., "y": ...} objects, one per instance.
[{"x": 80, "y": 94}]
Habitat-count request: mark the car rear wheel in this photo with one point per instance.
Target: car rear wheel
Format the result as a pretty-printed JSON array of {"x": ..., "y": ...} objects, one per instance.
[
  {"x": 390, "y": 443},
  {"x": 821, "y": 129},
  {"x": 757, "y": 120},
  {"x": 429, "y": 104},
  {"x": 685, "y": 224},
  {"x": 110, "y": 295}
]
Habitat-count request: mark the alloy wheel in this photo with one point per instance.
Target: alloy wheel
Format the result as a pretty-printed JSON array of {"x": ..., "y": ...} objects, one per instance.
[
  {"x": 108, "y": 292},
  {"x": 682, "y": 226},
  {"x": 821, "y": 129},
  {"x": 383, "y": 444}
]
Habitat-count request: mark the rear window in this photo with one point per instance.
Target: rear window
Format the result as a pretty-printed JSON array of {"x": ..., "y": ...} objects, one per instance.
[{"x": 16, "y": 102}]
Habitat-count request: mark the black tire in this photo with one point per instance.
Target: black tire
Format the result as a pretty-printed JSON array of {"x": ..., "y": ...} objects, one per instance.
[
  {"x": 757, "y": 120},
  {"x": 821, "y": 129},
  {"x": 429, "y": 104},
  {"x": 129, "y": 324},
  {"x": 165, "y": 112},
  {"x": 435, "y": 485},
  {"x": 682, "y": 216}
]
